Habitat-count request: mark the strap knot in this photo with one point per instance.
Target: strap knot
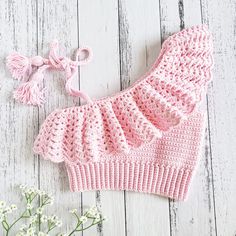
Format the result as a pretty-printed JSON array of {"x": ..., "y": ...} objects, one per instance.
[{"x": 22, "y": 67}]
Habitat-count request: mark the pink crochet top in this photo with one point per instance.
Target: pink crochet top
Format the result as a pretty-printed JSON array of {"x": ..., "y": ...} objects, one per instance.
[{"x": 145, "y": 138}]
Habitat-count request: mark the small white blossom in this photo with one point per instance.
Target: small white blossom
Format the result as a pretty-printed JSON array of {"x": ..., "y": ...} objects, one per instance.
[
  {"x": 30, "y": 231},
  {"x": 1, "y": 218},
  {"x": 29, "y": 206},
  {"x": 13, "y": 207},
  {"x": 73, "y": 211},
  {"x": 83, "y": 219},
  {"x": 58, "y": 223},
  {"x": 50, "y": 199},
  {"x": 39, "y": 210},
  {"x": 2, "y": 204},
  {"x": 8, "y": 210},
  {"x": 50, "y": 202},
  {"x": 31, "y": 190},
  {"x": 41, "y": 193},
  {"x": 20, "y": 234},
  {"x": 97, "y": 216},
  {"x": 23, "y": 186},
  {"x": 93, "y": 211},
  {"x": 42, "y": 234},
  {"x": 53, "y": 218},
  {"x": 44, "y": 218},
  {"x": 33, "y": 219}
]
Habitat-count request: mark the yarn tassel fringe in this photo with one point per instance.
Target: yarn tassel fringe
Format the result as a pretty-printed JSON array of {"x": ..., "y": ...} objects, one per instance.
[
  {"x": 19, "y": 66},
  {"x": 30, "y": 92}
]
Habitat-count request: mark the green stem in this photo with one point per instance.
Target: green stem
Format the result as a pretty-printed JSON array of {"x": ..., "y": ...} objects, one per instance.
[
  {"x": 90, "y": 225},
  {"x": 79, "y": 230},
  {"x": 22, "y": 216},
  {"x": 73, "y": 231},
  {"x": 51, "y": 229}
]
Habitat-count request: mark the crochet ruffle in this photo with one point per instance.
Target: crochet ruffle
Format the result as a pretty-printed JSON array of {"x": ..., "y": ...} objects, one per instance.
[{"x": 167, "y": 94}]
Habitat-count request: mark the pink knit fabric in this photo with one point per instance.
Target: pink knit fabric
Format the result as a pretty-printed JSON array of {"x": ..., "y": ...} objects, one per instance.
[{"x": 145, "y": 138}]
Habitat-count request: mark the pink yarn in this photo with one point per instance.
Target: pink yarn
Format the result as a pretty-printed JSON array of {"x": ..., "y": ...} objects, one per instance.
[
  {"x": 21, "y": 67},
  {"x": 146, "y": 138},
  {"x": 30, "y": 92}
]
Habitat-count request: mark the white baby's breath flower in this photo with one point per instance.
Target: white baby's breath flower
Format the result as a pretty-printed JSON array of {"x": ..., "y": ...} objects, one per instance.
[
  {"x": 44, "y": 218},
  {"x": 41, "y": 193},
  {"x": 2, "y": 204},
  {"x": 20, "y": 234},
  {"x": 1, "y": 218},
  {"x": 83, "y": 219},
  {"x": 73, "y": 211},
  {"x": 29, "y": 206},
  {"x": 50, "y": 200},
  {"x": 58, "y": 223},
  {"x": 8, "y": 210},
  {"x": 13, "y": 207},
  {"x": 23, "y": 186},
  {"x": 97, "y": 216},
  {"x": 39, "y": 210},
  {"x": 33, "y": 219},
  {"x": 30, "y": 231},
  {"x": 93, "y": 211},
  {"x": 31, "y": 190},
  {"x": 54, "y": 218},
  {"x": 42, "y": 234}
]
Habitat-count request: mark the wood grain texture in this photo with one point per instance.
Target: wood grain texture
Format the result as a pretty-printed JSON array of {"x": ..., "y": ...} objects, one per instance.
[
  {"x": 196, "y": 216},
  {"x": 126, "y": 38},
  {"x": 222, "y": 112},
  {"x": 18, "y": 124},
  {"x": 57, "y": 19}
]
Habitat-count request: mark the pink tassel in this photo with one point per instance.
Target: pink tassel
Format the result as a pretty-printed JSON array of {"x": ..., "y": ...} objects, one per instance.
[
  {"x": 19, "y": 66},
  {"x": 30, "y": 93}
]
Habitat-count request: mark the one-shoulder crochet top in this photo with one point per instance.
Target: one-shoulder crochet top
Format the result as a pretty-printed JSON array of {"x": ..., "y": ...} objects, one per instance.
[{"x": 146, "y": 138}]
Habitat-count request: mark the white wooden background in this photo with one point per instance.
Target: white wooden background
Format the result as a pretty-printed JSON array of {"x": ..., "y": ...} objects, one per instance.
[{"x": 126, "y": 37}]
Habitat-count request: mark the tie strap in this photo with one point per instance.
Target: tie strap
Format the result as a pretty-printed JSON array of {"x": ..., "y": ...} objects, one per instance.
[{"x": 32, "y": 70}]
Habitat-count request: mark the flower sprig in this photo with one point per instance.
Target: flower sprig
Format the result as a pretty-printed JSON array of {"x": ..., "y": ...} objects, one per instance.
[
  {"x": 92, "y": 215},
  {"x": 37, "y": 223}
]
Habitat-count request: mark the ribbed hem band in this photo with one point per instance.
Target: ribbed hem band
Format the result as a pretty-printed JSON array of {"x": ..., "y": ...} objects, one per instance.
[{"x": 168, "y": 181}]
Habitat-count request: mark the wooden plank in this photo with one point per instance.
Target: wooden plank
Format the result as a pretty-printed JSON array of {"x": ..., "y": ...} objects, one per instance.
[
  {"x": 135, "y": 28},
  {"x": 98, "y": 28},
  {"x": 139, "y": 46},
  {"x": 220, "y": 15},
  {"x": 57, "y": 20},
  {"x": 18, "y": 123},
  {"x": 196, "y": 215}
]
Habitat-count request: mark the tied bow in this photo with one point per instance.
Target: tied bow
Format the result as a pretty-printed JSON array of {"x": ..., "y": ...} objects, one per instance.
[{"x": 31, "y": 71}]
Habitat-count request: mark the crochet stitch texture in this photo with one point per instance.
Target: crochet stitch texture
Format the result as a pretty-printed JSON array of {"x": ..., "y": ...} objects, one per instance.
[{"x": 146, "y": 138}]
